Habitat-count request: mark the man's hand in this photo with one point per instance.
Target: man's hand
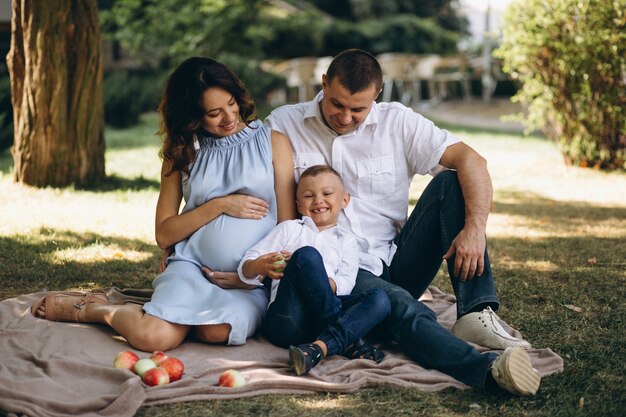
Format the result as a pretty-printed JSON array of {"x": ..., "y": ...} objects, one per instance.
[
  {"x": 469, "y": 248},
  {"x": 226, "y": 280}
]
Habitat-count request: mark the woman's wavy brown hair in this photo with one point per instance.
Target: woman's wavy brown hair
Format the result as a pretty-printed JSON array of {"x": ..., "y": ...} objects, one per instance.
[{"x": 181, "y": 109}]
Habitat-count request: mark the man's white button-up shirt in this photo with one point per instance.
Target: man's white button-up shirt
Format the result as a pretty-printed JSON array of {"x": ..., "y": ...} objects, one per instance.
[{"x": 377, "y": 162}]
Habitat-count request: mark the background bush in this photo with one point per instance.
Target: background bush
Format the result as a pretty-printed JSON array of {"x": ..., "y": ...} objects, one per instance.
[
  {"x": 128, "y": 94},
  {"x": 6, "y": 113},
  {"x": 571, "y": 58}
]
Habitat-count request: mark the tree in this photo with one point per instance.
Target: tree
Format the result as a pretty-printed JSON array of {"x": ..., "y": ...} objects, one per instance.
[
  {"x": 55, "y": 65},
  {"x": 570, "y": 56}
]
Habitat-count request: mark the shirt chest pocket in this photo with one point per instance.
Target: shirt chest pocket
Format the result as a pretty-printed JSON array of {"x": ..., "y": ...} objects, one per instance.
[
  {"x": 302, "y": 161},
  {"x": 376, "y": 179}
]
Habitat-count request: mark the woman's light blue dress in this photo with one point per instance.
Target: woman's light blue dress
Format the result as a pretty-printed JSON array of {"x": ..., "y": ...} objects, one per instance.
[{"x": 236, "y": 164}]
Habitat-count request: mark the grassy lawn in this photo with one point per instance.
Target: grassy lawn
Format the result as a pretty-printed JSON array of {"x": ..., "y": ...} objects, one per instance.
[{"x": 557, "y": 238}]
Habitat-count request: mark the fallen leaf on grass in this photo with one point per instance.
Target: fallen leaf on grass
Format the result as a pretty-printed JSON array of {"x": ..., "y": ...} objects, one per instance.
[
  {"x": 592, "y": 261},
  {"x": 573, "y": 308}
]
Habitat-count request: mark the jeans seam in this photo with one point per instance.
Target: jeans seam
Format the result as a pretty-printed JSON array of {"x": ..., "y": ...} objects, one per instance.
[{"x": 331, "y": 330}]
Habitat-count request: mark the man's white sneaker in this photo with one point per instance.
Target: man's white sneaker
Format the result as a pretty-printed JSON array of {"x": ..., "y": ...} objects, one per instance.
[
  {"x": 484, "y": 329},
  {"x": 514, "y": 372}
]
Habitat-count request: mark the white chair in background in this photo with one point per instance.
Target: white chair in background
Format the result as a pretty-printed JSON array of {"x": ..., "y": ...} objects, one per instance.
[
  {"x": 422, "y": 70},
  {"x": 450, "y": 70},
  {"x": 396, "y": 68},
  {"x": 298, "y": 73}
]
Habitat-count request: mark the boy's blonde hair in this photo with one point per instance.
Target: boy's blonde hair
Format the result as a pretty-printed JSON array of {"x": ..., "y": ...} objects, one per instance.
[{"x": 315, "y": 170}]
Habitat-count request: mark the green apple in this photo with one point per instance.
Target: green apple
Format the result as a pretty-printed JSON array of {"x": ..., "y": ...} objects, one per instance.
[
  {"x": 143, "y": 365},
  {"x": 279, "y": 266}
]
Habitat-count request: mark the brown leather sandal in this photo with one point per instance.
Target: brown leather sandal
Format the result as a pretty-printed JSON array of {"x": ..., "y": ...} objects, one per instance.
[{"x": 59, "y": 311}]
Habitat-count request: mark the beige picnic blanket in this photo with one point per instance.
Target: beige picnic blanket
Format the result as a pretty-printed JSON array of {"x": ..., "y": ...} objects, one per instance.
[{"x": 65, "y": 369}]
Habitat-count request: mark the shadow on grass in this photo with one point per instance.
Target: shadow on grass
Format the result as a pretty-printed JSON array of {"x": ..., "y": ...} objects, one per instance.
[
  {"x": 533, "y": 205},
  {"x": 116, "y": 183},
  {"x": 58, "y": 260},
  {"x": 109, "y": 184},
  {"x": 547, "y": 214}
]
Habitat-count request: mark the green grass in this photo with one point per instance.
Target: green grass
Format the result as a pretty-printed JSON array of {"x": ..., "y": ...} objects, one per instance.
[{"x": 557, "y": 238}]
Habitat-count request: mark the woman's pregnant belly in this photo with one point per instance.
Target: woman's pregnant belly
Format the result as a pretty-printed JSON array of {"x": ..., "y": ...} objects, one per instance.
[{"x": 221, "y": 244}]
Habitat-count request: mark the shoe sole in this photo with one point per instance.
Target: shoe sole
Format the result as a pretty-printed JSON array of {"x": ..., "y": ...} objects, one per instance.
[
  {"x": 296, "y": 361},
  {"x": 520, "y": 371}
]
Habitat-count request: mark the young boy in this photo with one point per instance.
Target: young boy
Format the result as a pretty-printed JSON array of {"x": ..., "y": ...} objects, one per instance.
[{"x": 312, "y": 307}]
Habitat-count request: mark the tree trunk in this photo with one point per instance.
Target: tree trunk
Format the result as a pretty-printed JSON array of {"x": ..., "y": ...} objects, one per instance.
[{"x": 55, "y": 64}]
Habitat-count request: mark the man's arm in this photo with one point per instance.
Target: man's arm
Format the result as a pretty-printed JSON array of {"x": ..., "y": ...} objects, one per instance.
[{"x": 469, "y": 245}]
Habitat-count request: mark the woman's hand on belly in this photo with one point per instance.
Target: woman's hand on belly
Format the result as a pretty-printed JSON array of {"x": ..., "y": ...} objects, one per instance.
[
  {"x": 226, "y": 280},
  {"x": 244, "y": 206},
  {"x": 166, "y": 253}
]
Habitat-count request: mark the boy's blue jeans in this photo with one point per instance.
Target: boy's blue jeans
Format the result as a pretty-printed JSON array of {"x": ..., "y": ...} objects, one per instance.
[
  {"x": 437, "y": 218},
  {"x": 306, "y": 309}
]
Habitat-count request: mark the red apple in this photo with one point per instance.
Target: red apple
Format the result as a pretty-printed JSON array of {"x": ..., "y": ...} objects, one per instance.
[
  {"x": 158, "y": 356},
  {"x": 231, "y": 379},
  {"x": 156, "y": 376},
  {"x": 143, "y": 365},
  {"x": 174, "y": 368},
  {"x": 125, "y": 360}
]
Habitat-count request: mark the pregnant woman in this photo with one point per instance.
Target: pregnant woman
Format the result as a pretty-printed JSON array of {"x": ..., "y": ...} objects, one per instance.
[{"x": 236, "y": 177}]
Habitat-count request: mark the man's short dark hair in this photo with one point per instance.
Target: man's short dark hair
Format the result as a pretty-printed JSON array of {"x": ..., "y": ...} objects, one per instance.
[{"x": 356, "y": 70}]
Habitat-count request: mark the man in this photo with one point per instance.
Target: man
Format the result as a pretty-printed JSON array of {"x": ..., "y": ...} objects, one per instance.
[{"x": 378, "y": 148}]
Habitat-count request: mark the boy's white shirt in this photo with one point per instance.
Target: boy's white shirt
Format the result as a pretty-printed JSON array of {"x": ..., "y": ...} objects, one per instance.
[{"x": 339, "y": 250}]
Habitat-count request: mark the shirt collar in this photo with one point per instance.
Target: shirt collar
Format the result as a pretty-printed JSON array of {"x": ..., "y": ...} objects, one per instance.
[
  {"x": 312, "y": 107},
  {"x": 309, "y": 223}
]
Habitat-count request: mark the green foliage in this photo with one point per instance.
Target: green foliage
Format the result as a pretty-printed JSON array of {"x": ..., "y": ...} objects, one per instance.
[
  {"x": 244, "y": 32},
  {"x": 127, "y": 95},
  {"x": 6, "y": 114},
  {"x": 296, "y": 35},
  {"x": 408, "y": 33},
  {"x": 570, "y": 56},
  {"x": 167, "y": 31},
  {"x": 398, "y": 33},
  {"x": 171, "y": 30},
  {"x": 443, "y": 13}
]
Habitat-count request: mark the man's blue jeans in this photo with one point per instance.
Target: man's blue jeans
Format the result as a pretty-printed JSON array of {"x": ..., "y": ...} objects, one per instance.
[
  {"x": 306, "y": 309},
  {"x": 437, "y": 218}
]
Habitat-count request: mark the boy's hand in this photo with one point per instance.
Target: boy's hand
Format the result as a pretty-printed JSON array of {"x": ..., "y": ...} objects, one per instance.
[{"x": 268, "y": 265}]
